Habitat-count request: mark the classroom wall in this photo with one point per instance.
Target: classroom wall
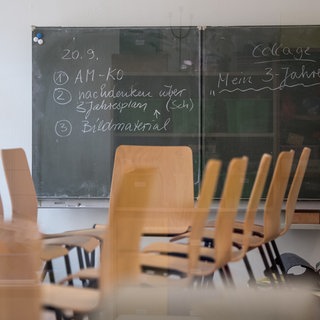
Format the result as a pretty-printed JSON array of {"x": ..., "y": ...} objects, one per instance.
[{"x": 17, "y": 17}]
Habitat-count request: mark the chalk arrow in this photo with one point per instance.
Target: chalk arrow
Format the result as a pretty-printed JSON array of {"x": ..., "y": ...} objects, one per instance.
[{"x": 156, "y": 113}]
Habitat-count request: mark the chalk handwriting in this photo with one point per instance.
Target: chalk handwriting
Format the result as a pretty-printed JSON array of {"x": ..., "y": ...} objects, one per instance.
[
  {"x": 279, "y": 51},
  {"x": 104, "y": 92},
  {"x": 176, "y": 98},
  {"x": 87, "y": 107},
  {"x": 285, "y": 77},
  {"x": 100, "y": 94},
  {"x": 101, "y": 125},
  {"x": 63, "y": 128},
  {"x": 226, "y": 79},
  {"x": 68, "y": 54},
  {"x": 62, "y": 96},
  {"x": 89, "y": 75}
]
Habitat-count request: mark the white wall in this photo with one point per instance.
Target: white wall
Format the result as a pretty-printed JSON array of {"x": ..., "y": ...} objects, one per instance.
[{"x": 17, "y": 17}]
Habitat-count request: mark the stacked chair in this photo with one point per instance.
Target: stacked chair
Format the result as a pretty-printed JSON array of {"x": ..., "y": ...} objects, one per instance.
[
  {"x": 119, "y": 264},
  {"x": 132, "y": 198},
  {"x": 270, "y": 229},
  {"x": 290, "y": 205},
  {"x": 170, "y": 256},
  {"x": 25, "y": 207},
  {"x": 20, "y": 265},
  {"x": 181, "y": 218},
  {"x": 251, "y": 209},
  {"x": 152, "y": 195}
]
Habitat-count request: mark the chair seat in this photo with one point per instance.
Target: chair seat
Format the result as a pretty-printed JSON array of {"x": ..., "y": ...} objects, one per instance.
[
  {"x": 70, "y": 298},
  {"x": 52, "y": 252},
  {"x": 180, "y": 248},
  {"x": 87, "y": 243},
  {"x": 238, "y": 226},
  {"x": 97, "y": 232},
  {"x": 176, "y": 264},
  {"x": 83, "y": 274},
  {"x": 253, "y": 241}
]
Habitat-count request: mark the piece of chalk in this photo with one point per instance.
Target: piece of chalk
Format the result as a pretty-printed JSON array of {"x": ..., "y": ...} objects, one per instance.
[
  {"x": 40, "y": 41},
  {"x": 35, "y": 39},
  {"x": 39, "y": 35}
]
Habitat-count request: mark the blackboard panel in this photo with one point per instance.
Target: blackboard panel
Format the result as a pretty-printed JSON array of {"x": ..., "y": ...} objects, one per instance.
[
  {"x": 225, "y": 91},
  {"x": 262, "y": 94},
  {"x": 94, "y": 88}
]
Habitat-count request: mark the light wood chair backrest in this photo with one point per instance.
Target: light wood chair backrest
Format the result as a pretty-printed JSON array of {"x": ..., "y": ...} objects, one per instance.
[
  {"x": 202, "y": 210},
  {"x": 276, "y": 194},
  {"x": 227, "y": 210},
  {"x": 129, "y": 204},
  {"x": 255, "y": 200},
  {"x": 20, "y": 184},
  {"x": 175, "y": 184},
  {"x": 1, "y": 210},
  {"x": 20, "y": 267},
  {"x": 295, "y": 188}
]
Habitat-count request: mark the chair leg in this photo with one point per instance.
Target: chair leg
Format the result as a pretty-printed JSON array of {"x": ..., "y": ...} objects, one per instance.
[
  {"x": 205, "y": 281},
  {"x": 278, "y": 257},
  {"x": 80, "y": 258},
  {"x": 48, "y": 269},
  {"x": 274, "y": 265},
  {"x": 68, "y": 268},
  {"x": 58, "y": 314},
  {"x": 87, "y": 259},
  {"x": 93, "y": 258},
  {"x": 268, "y": 271},
  {"x": 229, "y": 277},
  {"x": 223, "y": 276},
  {"x": 252, "y": 280}
]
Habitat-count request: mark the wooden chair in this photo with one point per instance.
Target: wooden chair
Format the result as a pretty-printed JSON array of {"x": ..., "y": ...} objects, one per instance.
[
  {"x": 271, "y": 213},
  {"x": 167, "y": 222},
  {"x": 175, "y": 183},
  {"x": 221, "y": 254},
  {"x": 267, "y": 233},
  {"x": 290, "y": 206},
  {"x": 25, "y": 206},
  {"x": 251, "y": 209},
  {"x": 120, "y": 249},
  {"x": 185, "y": 268},
  {"x": 19, "y": 270},
  {"x": 47, "y": 255}
]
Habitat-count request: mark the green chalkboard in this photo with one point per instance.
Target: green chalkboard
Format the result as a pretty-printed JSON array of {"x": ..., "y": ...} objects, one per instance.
[
  {"x": 96, "y": 88},
  {"x": 224, "y": 91},
  {"x": 261, "y": 88}
]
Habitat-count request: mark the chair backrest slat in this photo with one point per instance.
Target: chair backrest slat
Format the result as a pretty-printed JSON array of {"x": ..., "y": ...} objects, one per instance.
[
  {"x": 120, "y": 264},
  {"x": 20, "y": 184},
  {"x": 295, "y": 188},
  {"x": 255, "y": 199},
  {"x": 276, "y": 194},
  {"x": 202, "y": 209},
  {"x": 227, "y": 211}
]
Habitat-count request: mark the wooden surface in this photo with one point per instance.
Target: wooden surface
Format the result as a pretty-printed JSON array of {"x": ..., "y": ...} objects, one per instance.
[{"x": 306, "y": 217}]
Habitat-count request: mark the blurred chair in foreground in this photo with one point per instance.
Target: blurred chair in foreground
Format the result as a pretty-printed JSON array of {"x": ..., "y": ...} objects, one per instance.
[
  {"x": 25, "y": 206},
  {"x": 20, "y": 267},
  {"x": 119, "y": 264}
]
